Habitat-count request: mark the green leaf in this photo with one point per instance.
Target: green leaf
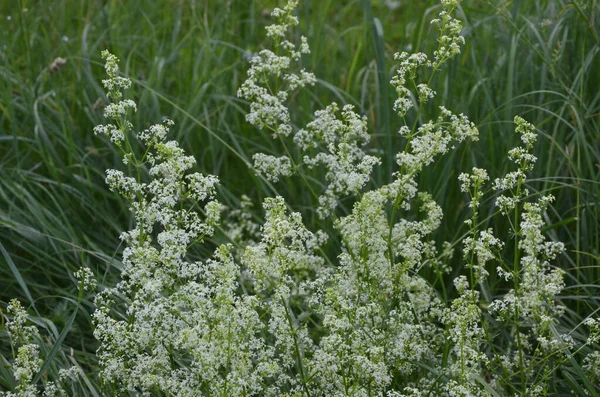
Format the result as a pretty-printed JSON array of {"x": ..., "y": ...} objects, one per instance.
[
  {"x": 57, "y": 345},
  {"x": 17, "y": 274}
]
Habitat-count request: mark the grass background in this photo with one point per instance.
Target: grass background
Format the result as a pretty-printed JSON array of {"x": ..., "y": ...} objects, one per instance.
[{"x": 534, "y": 58}]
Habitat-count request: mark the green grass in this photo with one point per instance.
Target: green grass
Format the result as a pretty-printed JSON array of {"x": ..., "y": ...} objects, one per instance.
[{"x": 538, "y": 59}]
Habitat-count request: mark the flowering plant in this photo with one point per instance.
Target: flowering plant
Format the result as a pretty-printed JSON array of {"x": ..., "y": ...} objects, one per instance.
[{"x": 280, "y": 316}]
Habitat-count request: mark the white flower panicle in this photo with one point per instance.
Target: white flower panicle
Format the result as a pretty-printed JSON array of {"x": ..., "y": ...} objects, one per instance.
[
  {"x": 514, "y": 181},
  {"x": 115, "y": 84},
  {"x": 449, "y": 39},
  {"x": 485, "y": 248},
  {"x": 532, "y": 303},
  {"x": 405, "y": 73},
  {"x": 433, "y": 139},
  {"x": 376, "y": 309},
  {"x": 116, "y": 135},
  {"x": 429, "y": 139},
  {"x": 379, "y": 312},
  {"x": 591, "y": 362},
  {"x": 286, "y": 246},
  {"x": 530, "y": 308},
  {"x": 467, "y": 335},
  {"x": 337, "y": 141},
  {"x": 25, "y": 342},
  {"x": 27, "y": 361},
  {"x": 472, "y": 184},
  {"x": 449, "y": 43},
  {"x": 348, "y": 167},
  {"x": 482, "y": 248},
  {"x": 87, "y": 281},
  {"x": 474, "y": 180},
  {"x": 185, "y": 330},
  {"x": 271, "y": 167},
  {"x": 285, "y": 19},
  {"x": 267, "y": 107},
  {"x": 120, "y": 108},
  {"x": 156, "y": 133},
  {"x": 279, "y": 264},
  {"x": 17, "y": 330}
]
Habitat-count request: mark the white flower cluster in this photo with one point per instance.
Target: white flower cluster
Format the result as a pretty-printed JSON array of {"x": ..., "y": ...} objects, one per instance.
[
  {"x": 432, "y": 139},
  {"x": 449, "y": 42},
  {"x": 199, "y": 338},
  {"x": 278, "y": 264},
  {"x": 409, "y": 236},
  {"x": 449, "y": 39},
  {"x": 540, "y": 284},
  {"x": 532, "y": 303},
  {"x": 513, "y": 181},
  {"x": 483, "y": 247},
  {"x": 472, "y": 183},
  {"x": 286, "y": 246},
  {"x": 27, "y": 361},
  {"x": 407, "y": 71},
  {"x": 25, "y": 342},
  {"x": 115, "y": 135},
  {"x": 428, "y": 141},
  {"x": 348, "y": 167},
  {"x": 467, "y": 335},
  {"x": 591, "y": 362},
  {"x": 267, "y": 108},
  {"x": 271, "y": 167},
  {"x": 240, "y": 225},
  {"x": 87, "y": 281},
  {"x": 530, "y": 306},
  {"x": 379, "y": 315},
  {"x": 594, "y": 325},
  {"x": 120, "y": 108},
  {"x": 184, "y": 330},
  {"x": 115, "y": 84},
  {"x": 486, "y": 248},
  {"x": 337, "y": 141}
]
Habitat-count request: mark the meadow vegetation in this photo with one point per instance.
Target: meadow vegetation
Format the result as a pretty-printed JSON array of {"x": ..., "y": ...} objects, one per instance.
[{"x": 358, "y": 198}]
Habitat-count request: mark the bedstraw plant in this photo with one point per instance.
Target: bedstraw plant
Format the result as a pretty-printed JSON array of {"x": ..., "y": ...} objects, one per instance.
[
  {"x": 283, "y": 316},
  {"x": 364, "y": 302}
]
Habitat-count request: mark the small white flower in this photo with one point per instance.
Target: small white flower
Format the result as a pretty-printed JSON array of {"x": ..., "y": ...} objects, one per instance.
[{"x": 272, "y": 167}]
